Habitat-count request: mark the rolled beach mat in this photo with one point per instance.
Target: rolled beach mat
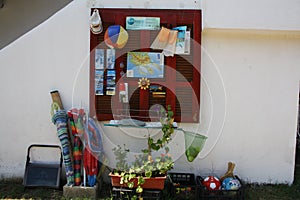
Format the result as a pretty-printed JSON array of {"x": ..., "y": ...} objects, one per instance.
[
  {"x": 76, "y": 123},
  {"x": 193, "y": 144},
  {"x": 60, "y": 119}
]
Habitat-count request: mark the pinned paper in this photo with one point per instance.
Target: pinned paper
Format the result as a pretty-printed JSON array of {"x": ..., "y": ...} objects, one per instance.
[
  {"x": 123, "y": 92},
  {"x": 142, "y": 23},
  {"x": 170, "y": 48},
  {"x": 175, "y": 41},
  {"x": 180, "y": 40},
  {"x": 161, "y": 39},
  {"x": 165, "y": 40}
]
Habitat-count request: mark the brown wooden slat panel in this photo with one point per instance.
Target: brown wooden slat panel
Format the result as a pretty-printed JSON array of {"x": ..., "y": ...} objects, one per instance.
[
  {"x": 133, "y": 42},
  {"x": 184, "y": 63},
  {"x": 154, "y": 101},
  {"x": 153, "y": 35},
  {"x": 134, "y": 102},
  {"x": 184, "y": 69},
  {"x": 103, "y": 104},
  {"x": 157, "y": 99},
  {"x": 183, "y": 102}
]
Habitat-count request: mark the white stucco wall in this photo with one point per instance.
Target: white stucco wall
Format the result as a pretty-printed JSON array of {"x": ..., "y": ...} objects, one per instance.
[
  {"x": 250, "y": 85},
  {"x": 261, "y": 79},
  {"x": 46, "y": 58},
  {"x": 264, "y": 14}
]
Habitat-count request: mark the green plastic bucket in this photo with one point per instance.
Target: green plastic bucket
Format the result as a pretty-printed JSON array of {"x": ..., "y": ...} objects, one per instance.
[{"x": 193, "y": 144}]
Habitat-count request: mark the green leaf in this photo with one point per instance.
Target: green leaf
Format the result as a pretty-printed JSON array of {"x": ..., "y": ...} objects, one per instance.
[
  {"x": 148, "y": 174},
  {"x": 155, "y": 147},
  {"x": 150, "y": 140},
  {"x": 130, "y": 184},
  {"x": 139, "y": 189},
  {"x": 131, "y": 176},
  {"x": 141, "y": 180},
  {"x": 134, "y": 197},
  {"x": 170, "y": 114},
  {"x": 145, "y": 150}
]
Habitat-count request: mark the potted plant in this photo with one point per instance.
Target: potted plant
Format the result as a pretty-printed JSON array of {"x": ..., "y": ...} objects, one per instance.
[{"x": 146, "y": 169}]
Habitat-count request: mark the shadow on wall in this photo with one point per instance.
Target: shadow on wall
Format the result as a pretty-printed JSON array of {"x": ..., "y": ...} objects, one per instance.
[{"x": 17, "y": 17}]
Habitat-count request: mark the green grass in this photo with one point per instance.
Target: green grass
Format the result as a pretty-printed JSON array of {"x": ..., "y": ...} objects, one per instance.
[
  {"x": 275, "y": 191},
  {"x": 13, "y": 189}
]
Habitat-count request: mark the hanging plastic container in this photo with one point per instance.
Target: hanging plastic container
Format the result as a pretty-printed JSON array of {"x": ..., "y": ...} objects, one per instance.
[{"x": 193, "y": 144}]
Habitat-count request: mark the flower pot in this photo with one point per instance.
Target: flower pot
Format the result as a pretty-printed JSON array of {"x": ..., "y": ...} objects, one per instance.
[{"x": 150, "y": 183}]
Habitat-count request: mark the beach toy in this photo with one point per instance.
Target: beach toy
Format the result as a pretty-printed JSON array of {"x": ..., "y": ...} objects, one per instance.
[
  {"x": 231, "y": 184},
  {"x": 211, "y": 183},
  {"x": 193, "y": 144},
  {"x": 115, "y": 37}
]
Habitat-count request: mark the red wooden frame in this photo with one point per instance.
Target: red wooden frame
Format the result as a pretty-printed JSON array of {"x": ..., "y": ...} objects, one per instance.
[{"x": 168, "y": 18}]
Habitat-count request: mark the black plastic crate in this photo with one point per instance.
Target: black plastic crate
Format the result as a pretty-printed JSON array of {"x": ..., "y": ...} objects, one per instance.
[
  {"x": 128, "y": 194},
  {"x": 220, "y": 194},
  {"x": 183, "y": 186}
]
